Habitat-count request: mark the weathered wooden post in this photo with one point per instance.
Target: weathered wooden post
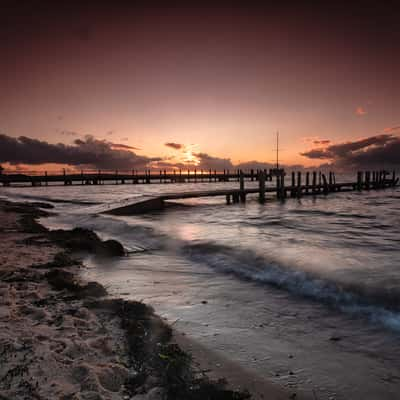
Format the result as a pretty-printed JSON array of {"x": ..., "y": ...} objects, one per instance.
[
  {"x": 188, "y": 175},
  {"x": 367, "y": 180},
  {"x": 242, "y": 193},
  {"x": 160, "y": 176},
  {"x": 307, "y": 181},
  {"x": 319, "y": 180},
  {"x": 252, "y": 175},
  {"x": 46, "y": 182},
  {"x": 261, "y": 185},
  {"x": 215, "y": 175},
  {"x": 292, "y": 192},
  {"x": 278, "y": 186},
  {"x": 393, "y": 178},
  {"x": 209, "y": 178},
  {"x": 148, "y": 176},
  {"x": 228, "y": 199},
  {"x": 359, "y": 180},
  {"x": 326, "y": 187},
  {"x": 165, "y": 176},
  {"x": 195, "y": 175},
  {"x": 82, "y": 177},
  {"x": 298, "y": 184},
  {"x": 314, "y": 181},
  {"x": 283, "y": 190}
]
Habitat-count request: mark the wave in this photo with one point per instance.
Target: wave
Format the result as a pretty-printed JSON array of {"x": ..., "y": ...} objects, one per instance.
[{"x": 380, "y": 306}]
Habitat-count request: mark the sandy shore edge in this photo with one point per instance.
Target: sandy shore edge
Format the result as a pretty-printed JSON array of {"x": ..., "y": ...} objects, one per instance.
[{"x": 61, "y": 338}]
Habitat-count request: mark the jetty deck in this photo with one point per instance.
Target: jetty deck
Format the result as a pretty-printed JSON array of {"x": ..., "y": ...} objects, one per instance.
[{"x": 152, "y": 203}]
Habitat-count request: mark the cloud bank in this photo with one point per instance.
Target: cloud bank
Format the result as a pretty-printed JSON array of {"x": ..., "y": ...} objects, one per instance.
[
  {"x": 373, "y": 152},
  {"x": 87, "y": 152}
]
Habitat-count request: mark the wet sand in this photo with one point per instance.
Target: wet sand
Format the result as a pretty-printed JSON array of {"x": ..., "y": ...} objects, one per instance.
[{"x": 63, "y": 343}]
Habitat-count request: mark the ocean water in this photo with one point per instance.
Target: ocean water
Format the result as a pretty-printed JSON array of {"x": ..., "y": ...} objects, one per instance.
[{"x": 304, "y": 292}]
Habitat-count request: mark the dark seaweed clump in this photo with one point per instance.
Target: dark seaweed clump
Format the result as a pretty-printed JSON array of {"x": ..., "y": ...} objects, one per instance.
[{"x": 154, "y": 358}]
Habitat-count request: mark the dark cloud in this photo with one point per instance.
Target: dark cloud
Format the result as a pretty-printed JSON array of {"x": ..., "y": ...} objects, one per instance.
[
  {"x": 205, "y": 161},
  {"x": 122, "y": 146},
  {"x": 175, "y": 146},
  {"x": 372, "y": 152},
  {"x": 89, "y": 152},
  {"x": 322, "y": 142}
]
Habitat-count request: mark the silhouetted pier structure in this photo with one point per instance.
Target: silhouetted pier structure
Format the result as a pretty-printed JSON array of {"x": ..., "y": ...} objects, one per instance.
[
  {"x": 315, "y": 183},
  {"x": 90, "y": 177},
  {"x": 301, "y": 183}
]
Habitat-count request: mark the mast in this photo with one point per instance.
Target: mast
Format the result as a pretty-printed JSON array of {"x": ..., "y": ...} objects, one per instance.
[{"x": 277, "y": 149}]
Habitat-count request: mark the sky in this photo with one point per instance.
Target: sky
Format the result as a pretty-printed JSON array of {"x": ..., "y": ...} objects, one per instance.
[{"x": 157, "y": 85}]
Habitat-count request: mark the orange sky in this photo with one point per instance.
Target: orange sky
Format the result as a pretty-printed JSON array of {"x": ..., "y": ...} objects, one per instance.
[{"x": 221, "y": 81}]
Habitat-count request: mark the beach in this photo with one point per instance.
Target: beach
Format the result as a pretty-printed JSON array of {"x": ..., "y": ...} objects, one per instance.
[{"x": 64, "y": 338}]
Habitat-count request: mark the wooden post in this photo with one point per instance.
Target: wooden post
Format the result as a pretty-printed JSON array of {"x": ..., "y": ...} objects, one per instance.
[
  {"x": 314, "y": 181},
  {"x": 252, "y": 175},
  {"x": 278, "y": 187},
  {"x": 195, "y": 175},
  {"x": 393, "y": 178},
  {"x": 261, "y": 184},
  {"x": 367, "y": 182},
  {"x": 307, "y": 181},
  {"x": 228, "y": 199},
  {"x": 359, "y": 180},
  {"x": 242, "y": 193},
  {"x": 81, "y": 177},
  {"x": 209, "y": 177},
  {"x": 46, "y": 181},
  {"x": 188, "y": 175},
  {"x": 326, "y": 187},
  {"x": 215, "y": 175},
  {"x": 298, "y": 184},
  {"x": 293, "y": 184},
  {"x": 65, "y": 178},
  {"x": 283, "y": 190}
]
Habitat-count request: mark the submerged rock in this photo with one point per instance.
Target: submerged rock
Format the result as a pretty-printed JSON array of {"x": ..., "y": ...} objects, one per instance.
[
  {"x": 112, "y": 248},
  {"x": 81, "y": 239}
]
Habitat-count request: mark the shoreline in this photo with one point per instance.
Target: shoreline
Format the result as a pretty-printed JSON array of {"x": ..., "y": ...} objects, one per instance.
[{"x": 125, "y": 352}]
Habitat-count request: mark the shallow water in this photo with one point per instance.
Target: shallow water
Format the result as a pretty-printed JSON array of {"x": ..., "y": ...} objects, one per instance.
[{"x": 280, "y": 279}]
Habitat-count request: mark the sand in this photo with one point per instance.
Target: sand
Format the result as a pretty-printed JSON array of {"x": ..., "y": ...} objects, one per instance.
[
  {"x": 61, "y": 338},
  {"x": 50, "y": 347}
]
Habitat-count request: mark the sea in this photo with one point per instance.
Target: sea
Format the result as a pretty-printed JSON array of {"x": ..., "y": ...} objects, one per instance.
[{"x": 304, "y": 292}]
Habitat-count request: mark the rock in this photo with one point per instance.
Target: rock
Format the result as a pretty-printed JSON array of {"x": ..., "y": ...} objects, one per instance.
[
  {"x": 111, "y": 248},
  {"x": 61, "y": 279},
  {"x": 81, "y": 239},
  {"x": 92, "y": 289}
]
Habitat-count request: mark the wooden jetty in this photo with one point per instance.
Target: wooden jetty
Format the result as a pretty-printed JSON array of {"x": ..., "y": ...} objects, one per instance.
[
  {"x": 90, "y": 177},
  {"x": 315, "y": 184}
]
